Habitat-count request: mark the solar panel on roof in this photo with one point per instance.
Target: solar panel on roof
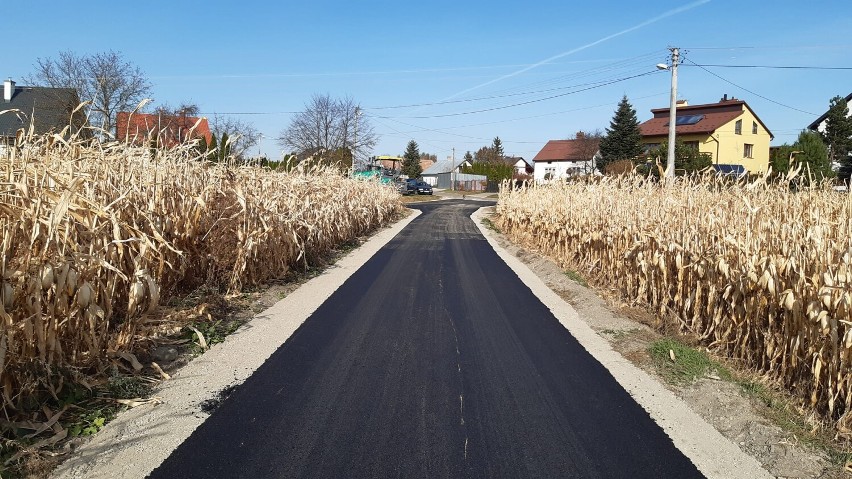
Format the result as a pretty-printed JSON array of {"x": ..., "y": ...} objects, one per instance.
[{"x": 688, "y": 120}]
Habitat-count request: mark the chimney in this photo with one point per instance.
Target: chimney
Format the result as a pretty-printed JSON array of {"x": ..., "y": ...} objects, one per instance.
[
  {"x": 724, "y": 98},
  {"x": 8, "y": 90},
  {"x": 681, "y": 103}
]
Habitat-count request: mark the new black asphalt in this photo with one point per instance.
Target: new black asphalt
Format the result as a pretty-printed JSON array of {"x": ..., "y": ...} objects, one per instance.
[{"x": 432, "y": 360}]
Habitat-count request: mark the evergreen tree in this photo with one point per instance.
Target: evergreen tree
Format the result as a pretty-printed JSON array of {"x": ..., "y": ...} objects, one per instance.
[
  {"x": 813, "y": 156},
  {"x": 779, "y": 158},
  {"x": 493, "y": 171},
  {"x": 622, "y": 140},
  {"x": 838, "y": 130},
  {"x": 411, "y": 160},
  {"x": 224, "y": 148},
  {"x": 468, "y": 157},
  {"x": 497, "y": 149}
]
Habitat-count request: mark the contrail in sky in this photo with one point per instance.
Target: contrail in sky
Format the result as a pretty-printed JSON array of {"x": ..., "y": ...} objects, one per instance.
[{"x": 584, "y": 47}]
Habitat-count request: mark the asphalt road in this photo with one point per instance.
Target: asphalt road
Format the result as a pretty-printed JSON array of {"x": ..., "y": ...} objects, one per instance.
[{"x": 432, "y": 360}]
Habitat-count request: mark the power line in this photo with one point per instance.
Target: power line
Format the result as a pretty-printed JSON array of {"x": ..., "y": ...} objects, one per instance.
[
  {"x": 445, "y": 130},
  {"x": 529, "y": 101},
  {"x": 508, "y": 95},
  {"x": 779, "y": 67},
  {"x": 514, "y": 91},
  {"x": 746, "y": 89},
  {"x": 773, "y": 47}
]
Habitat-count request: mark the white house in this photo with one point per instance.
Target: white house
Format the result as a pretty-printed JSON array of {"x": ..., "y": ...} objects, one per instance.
[
  {"x": 819, "y": 123},
  {"x": 564, "y": 158},
  {"x": 521, "y": 166}
]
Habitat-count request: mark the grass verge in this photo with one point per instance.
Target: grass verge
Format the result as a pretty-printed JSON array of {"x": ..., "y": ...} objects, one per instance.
[
  {"x": 690, "y": 364},
  {"x": 680, "y": 364}
]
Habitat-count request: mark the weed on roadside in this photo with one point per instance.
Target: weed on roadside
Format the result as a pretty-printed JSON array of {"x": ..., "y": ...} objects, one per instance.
[
  {"x": 781, "y": 409},
  {"x": 575, "y": 277},
  {"x": 490, "y": 225},
  {"x": 680, "y": 364}
]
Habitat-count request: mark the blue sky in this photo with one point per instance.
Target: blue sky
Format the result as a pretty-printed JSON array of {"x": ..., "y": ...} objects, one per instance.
[{"x": 266, "y": 59}]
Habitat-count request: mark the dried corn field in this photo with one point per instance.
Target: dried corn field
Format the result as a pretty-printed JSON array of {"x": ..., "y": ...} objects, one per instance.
[
  {"x": 94, "y": 236},
  {"x": 758, "y": 272}
]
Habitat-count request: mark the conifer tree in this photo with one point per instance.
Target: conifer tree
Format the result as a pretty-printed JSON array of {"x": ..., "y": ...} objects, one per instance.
[
  {"x": 411, "y": 160},
  {"x": 497, "y": 147},
  {"x": 838, "y": 130},
  {"x": 468, "y": 157},
  {"x": 622, "y": 140},
  {"x": 814, "y": 155}
]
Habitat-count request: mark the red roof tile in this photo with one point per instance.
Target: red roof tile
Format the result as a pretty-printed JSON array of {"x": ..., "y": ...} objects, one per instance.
[
  {"x": 715, "y": 115},
  {"x": 660, "y": 125},
  {"x": 560, "y": 150},
  {"x": 172, "y": 129}
]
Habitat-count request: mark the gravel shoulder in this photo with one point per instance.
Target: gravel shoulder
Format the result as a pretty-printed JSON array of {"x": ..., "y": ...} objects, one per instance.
[{"x": 721, "y": 404}]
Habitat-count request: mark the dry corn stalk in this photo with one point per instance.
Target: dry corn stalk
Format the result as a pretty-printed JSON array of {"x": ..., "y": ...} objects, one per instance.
[
  {"x": 92, "y": 237},
  {"x": 759, "y": 271}
]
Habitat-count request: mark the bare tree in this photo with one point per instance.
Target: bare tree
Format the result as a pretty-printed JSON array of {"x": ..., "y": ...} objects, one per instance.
[
  {"x": 588, "y": 144},
  {"x": 243, "y": 135},
  {"x": 327, "y": 125},
  {"x": 106, "y": 79}
]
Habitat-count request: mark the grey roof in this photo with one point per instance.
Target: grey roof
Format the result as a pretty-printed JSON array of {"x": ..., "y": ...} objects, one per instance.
[
  {"x": 48, "y": 109},
  {"x": 442, "y": 166}
]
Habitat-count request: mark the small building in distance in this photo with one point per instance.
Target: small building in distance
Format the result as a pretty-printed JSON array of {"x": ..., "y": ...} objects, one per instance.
[
  {"x": 443, "y": 172},
  {"x": 729, "y": 131},
  {"x": 522, "y": 166}
]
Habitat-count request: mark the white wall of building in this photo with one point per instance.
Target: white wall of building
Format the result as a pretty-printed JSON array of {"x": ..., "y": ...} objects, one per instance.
[{"x": 562, "y": 169}]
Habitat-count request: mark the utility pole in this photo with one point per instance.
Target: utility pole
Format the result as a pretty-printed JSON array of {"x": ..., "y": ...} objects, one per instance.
[
  {"x": 670, "y": 163},
  {"x": 453, "y": 171}
]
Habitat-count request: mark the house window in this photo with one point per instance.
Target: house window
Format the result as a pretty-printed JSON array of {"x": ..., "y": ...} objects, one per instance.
[
  {"x": 738, "y": 127},
  {"x": 754, "y": 128},
  {"x": 748, "y": 151},
  {"x": 691, "y": 144},
  {"x": 550, "y": 173}
]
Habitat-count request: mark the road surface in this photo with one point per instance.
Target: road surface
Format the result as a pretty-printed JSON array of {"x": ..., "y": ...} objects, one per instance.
[{"x": 432, "y": 360}]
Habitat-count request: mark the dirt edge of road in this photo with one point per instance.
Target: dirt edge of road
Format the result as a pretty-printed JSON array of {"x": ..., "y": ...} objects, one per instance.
[{"x": 720, "y": 404}]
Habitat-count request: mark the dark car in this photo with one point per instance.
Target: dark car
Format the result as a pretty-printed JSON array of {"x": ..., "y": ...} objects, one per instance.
[
  {"x": 405, "y": 188},
  {"x": 423, "y": 188}
]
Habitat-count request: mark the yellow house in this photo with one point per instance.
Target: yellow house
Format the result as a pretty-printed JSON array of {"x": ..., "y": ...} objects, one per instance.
[{"x": 729, "y": 131}]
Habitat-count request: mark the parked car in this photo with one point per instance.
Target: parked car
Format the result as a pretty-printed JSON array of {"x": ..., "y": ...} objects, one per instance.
[
  {"x": 423, "y": 188},
  {"x": 419, "y": 186},
  {"x": 405, "y": 188}
]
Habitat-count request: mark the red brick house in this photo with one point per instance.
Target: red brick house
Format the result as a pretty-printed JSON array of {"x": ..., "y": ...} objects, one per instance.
[{"x": 168, "y": 130}]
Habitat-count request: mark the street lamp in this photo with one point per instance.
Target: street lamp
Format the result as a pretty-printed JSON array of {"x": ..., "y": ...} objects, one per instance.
[{"x": 670, "y": 161}]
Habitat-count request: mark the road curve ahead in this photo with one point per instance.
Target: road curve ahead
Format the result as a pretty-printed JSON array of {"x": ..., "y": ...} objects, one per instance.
[{"x": 432, "y": 360}]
